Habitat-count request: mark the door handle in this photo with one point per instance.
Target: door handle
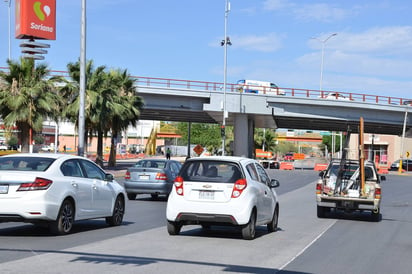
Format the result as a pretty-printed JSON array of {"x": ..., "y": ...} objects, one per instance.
[{"x": 75, "y": 184}]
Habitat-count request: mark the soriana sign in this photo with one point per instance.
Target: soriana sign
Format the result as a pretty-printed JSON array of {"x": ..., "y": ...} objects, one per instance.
[{"x": 36, "y": 19}]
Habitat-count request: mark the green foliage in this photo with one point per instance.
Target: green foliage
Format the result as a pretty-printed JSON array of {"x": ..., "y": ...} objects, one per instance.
[
  {"x": 327, "y": 142},
  {"x": 206, "y": 135},
  {"x": 265, "y": 138},
  {"x": 285, "y": 147}
]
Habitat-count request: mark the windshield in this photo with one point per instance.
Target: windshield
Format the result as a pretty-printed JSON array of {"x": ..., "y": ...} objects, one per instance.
[
  {"x": 25, "y": 163},
  {"x": 211, "y": 171}
]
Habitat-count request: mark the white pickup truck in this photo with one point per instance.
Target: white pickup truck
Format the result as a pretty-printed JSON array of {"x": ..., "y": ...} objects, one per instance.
[{"x": 340, "y": 188}]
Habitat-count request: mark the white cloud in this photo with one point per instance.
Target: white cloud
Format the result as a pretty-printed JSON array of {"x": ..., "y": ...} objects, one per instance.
[
  {"x": 276, "y": 4},
  {"x": 320, "y": 12},
  {"x": 264, "y": 43},
  {"x": 381, "y": 41}
]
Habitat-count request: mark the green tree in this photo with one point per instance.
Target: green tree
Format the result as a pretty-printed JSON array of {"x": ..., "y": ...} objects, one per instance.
[
  {"x": 206, "y": 135},
  {"x": 95, "y": 89},
  {"x": 125, "y": 106},
  {"x": 265, "y": 138},
  {"x": 28, "y": 97}
]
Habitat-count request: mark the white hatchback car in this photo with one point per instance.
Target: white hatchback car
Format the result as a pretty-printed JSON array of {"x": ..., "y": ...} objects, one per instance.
[
  {"x": 57, "y": 189},
  {"x": 223, "y": 190}
]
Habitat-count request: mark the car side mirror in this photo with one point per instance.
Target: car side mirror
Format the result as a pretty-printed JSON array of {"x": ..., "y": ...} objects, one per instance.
[
  {"x": 274, "y": 183},
  {"x": 383, "y": 178},
  {"x": 109, "y": 177},
  {"x": 321, "y": 173}
]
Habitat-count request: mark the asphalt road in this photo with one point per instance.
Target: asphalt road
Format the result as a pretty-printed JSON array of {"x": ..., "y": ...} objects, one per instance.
[{"x": 303, "y": 243}]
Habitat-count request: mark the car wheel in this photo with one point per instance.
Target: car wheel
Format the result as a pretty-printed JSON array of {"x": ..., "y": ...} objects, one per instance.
[
  {"x": 173, "y": 228},
  {"x": 376, "y": 215},
  {"x": 273, "y": 225},
  {"x": 321, "y": 211},
  {"x": 154, "y": 196},
  {"x": 65, "y": 219},
  {"x": 249, "y": 230},
  {"x": 131, "y": 196},
  {"x": 118, "y": 212}
]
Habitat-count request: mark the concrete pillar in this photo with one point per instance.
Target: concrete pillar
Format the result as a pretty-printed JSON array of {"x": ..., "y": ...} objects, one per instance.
[{"x": 243, "y": 136}]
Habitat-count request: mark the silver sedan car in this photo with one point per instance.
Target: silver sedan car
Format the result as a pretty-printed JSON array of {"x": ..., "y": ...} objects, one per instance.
[{"x": 152, "y": 176}]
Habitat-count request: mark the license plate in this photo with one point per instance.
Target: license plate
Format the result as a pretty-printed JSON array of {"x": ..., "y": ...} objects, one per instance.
[
  {"x": 144, "y": 177},
  {"x": 206, "y": 195},
  {"x": 4, "y": 189}
]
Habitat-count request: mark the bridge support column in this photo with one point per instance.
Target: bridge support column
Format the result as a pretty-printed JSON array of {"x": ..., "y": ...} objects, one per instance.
[{"x": 244, "y": 136}]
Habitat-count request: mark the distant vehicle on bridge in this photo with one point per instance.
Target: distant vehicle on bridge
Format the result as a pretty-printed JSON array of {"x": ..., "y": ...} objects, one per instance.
[
  {"x": 259, "y": 87},
  {"x": 336, "y": 96}
]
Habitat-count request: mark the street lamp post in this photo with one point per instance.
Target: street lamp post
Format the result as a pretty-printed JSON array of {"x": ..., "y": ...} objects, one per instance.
[
  {"x": 82, "y": 92},
  {"x": 225, "y": 42},
  {"x": 323, "y": 53}
]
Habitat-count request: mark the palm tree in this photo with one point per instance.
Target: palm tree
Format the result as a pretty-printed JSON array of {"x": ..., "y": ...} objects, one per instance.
[
  {"x": 95, "y": 82},
  {"x": 265, "y": 139},
  {"x": 28, "y": 97},
  {"x": 125, "y": 109}
]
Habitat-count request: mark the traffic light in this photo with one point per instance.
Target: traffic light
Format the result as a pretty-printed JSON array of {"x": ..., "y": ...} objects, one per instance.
[
  {"x": 222, "y": 131},
  {"x": 32, "y": 49}
]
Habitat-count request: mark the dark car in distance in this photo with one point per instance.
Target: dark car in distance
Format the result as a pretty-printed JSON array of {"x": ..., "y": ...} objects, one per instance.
[{"x": 406, "y": 165}]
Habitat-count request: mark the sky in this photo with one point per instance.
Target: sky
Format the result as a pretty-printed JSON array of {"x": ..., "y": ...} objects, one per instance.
[{"x": 279, "y": 41}]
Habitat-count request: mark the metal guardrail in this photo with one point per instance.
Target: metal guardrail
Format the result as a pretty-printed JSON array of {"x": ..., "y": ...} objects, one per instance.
[{"x": 292, "y": 92}]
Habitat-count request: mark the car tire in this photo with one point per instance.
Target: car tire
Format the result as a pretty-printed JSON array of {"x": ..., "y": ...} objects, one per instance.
[
  {"x": 321, "y": 211},
  {"x": 118, "y": 212},
  {"x": 173, "y": 228},
  {"x": 376, "y": 215},
  {"x": 249, "y": 230},
  {"x": 273, "y": 225},
  {"x": 65, "y": 219},
  {"x": 131, "y": 196}
]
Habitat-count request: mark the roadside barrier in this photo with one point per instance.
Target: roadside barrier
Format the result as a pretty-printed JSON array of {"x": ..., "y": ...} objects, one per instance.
[
  {"x": 320, "y": 167},
  {"x": 286, "y": 166}
]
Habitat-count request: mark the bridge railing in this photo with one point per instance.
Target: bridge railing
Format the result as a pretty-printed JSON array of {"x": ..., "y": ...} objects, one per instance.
[{"x": 218, "y": 86}]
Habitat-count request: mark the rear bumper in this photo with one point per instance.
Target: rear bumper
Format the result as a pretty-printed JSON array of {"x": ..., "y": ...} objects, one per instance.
[
  {"x": 197, "y": 218},
  {"x": 348, "y": 203},
  {"x": 148, "y": 188}
]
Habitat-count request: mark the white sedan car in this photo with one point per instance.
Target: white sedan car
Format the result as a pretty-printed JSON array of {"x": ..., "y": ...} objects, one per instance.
[
  {"x": 336, "y": 96},
  {"x": 57, "y": 189},
  {"x": 223, "y": 190}
]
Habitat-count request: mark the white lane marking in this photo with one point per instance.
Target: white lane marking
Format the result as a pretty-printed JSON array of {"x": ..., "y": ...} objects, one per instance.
[{"x": 306, "y": 247}]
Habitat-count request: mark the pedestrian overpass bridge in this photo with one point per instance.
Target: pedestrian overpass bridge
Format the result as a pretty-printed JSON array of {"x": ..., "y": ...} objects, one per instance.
[{"x": 202, "y": 102}]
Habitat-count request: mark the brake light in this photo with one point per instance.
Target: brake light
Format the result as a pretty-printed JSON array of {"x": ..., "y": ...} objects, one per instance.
[
  {"x": 127, "y": 175},
  {"x": 179, "y": 185},
  {"x": 318, "y": 188},
  {"x": 38, "y": 184},
  {"x": 161, "y": 176},
  {"x": 238, "y": 188},
  {"x": 377, "y": 193}
]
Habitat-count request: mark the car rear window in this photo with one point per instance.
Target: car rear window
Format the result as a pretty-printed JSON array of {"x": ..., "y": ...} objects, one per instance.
[
  {"x": 25, "y": 163},
  {"x": 151, "y": 163},
  {"x": 211, "y": 171}
]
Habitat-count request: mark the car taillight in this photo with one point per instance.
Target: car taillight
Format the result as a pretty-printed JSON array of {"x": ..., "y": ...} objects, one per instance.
[
  {"x": 179, "y": 185},
  {"x": 38, "y": 184},
  {"x": 318, "y": 188},
  {"x": 127, "y": 175},
  {"x": 161, "y": 176},
  {"x": 238, "y": 188},
  {"x": 377, "y": 193}
]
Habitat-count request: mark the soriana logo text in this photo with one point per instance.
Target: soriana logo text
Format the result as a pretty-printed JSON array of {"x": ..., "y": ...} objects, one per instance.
[{"x": 36, "y": 19}]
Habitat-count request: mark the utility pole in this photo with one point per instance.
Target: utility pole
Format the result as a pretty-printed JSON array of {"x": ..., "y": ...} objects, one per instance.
[
  {"x": 225, "y": 42},
  {"x": 80, "y": 149}
]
